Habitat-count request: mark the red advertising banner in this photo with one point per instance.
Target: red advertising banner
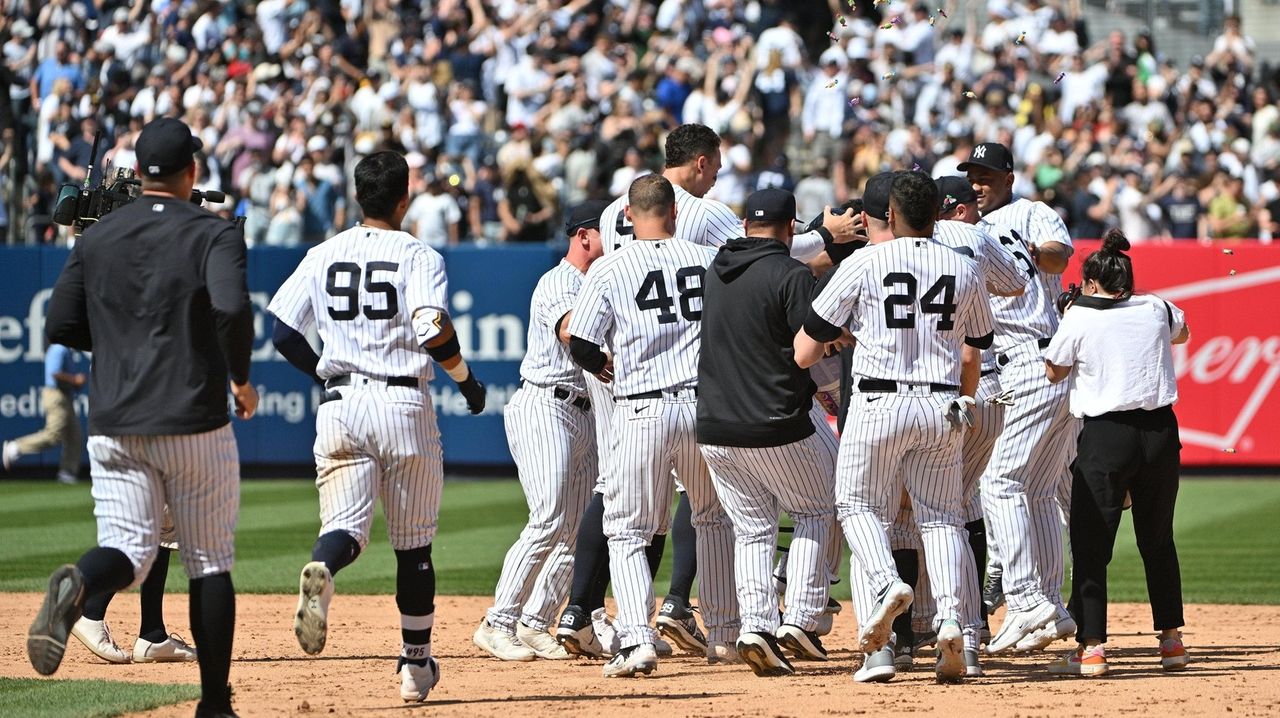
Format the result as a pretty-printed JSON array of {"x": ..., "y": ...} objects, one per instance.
[{"x": 1229, "y": 407}]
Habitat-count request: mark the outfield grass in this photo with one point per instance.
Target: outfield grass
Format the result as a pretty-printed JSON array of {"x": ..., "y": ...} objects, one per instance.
[
  {"x": 1226, "y": 534},
  {"x": 35, "y": 698}
]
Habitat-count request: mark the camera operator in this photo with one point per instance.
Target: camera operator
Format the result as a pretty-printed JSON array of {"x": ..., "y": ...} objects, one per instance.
[{"x": 1116, "y": 348}]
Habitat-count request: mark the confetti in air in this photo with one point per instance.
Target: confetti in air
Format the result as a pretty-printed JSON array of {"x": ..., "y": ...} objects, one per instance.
[
  {"x": 834, "y": 37},
  {"x": 878, "y": 3},
  {"x": 1022, "y": 37},
  {"x": 1059, "y": 78},
  {"x": 832, "y": 84},
  {"x": 971, "y": 94},
  {"x": 842, "y": 20},
  {"x": 1232, "y": 273},
  {"x": 1228, "y": 451},
  {"x": 888, "y": 76},
  {"x": 855, "y": 102},
  {"x": 942, "y": 12},
  {"x": 853, "y": 5},
  {"x": 915, "y": 167},
  {"x": 896, "y": 21},
  {"x": 932, "y": 20},
  {"x": 887, "y": 26},
  {"x": 1228, "y": 251}
]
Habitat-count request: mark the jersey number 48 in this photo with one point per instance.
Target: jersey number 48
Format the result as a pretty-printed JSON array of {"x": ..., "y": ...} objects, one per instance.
[{"x": 653, "y": 294}]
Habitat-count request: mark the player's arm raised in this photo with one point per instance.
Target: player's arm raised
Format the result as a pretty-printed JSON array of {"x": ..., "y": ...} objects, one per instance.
[{"x": 1050, "y": 243}]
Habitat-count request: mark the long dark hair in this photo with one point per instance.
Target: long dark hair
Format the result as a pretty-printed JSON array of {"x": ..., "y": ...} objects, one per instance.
[{"x": 1110, "y": 267}]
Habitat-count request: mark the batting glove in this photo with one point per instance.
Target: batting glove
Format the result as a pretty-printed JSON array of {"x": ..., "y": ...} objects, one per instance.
[
  {"x": 960, "y": 412},
  {"x": 1004, "y": 398},
  {"x": 473, "y": 391}
]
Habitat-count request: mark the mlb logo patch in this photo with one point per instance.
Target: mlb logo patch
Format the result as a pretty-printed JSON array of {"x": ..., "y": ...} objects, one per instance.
[{"x": 759, "y": 212}]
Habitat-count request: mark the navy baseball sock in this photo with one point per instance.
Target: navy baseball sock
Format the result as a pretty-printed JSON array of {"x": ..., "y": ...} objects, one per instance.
[
  {"x": 416, "y": 599},
  {"x": 653, "y": 553},
  {"x": 95, "y": 606},
  {"x": 908, "y": 563},
  {"x": 978, "y": 542},
  {"x": 152, "y": 626},
  {"x": 336, "y": 550},
  {"x": 105, "y": 570},
  {"x": 590, "y": 558},
  {"x": 213, "y": 623},
  {"x": 684, "y": 546}
]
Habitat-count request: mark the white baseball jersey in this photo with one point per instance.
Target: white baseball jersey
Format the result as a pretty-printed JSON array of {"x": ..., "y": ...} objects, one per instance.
[
  {"x": 360, "y": 289},
  {"x": 699, "y": 220},
  {"x": 1032, "y": 315},
  {"x": 646, "y": 302},
  {"x": 999, "y": 268},
  {"x": 910, "y": 303},
  {"x": 547, "y": 361}
]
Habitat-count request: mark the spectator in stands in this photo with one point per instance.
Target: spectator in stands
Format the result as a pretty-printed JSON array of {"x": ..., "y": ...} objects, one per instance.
[
  {"x": 1182, "y": 215},
  {"x": 1232, "y": 50},
  {"x": 526, "y": 203},
  {"x": 1230, "y": 216}
]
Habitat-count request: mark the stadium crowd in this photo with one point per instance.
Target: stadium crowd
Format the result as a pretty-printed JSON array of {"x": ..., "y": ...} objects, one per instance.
[{"x": 510, "y": 111}]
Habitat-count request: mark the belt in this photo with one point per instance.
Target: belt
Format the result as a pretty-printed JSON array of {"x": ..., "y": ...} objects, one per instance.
[
  {"x": 581, "y": 402},
  {"x": 886, "y": 385},
  {"x": 1042, "y": 343},
  {"x": 657, "y": 394},
  {"x": 345, "y": 380},
  {"x": 986, "y": 372}
]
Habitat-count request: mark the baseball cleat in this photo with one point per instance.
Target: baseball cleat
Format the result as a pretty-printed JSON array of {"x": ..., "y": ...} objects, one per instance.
[
  {"x": 632, "y": 660},
  {"x": 972, "y": 666},
  {"x": 96, "y": 636},
  {"x": 577, "y": 635},
  {"x": 678, "y": 625},
  {"x": 417, "y": 678},
  {"x": 761, "y": 652},
  {"x": 311, "y": 622},
  {"x": 501, "y": 645},
  {"x": 1062, "y": 626},
  {"x": 9, "y": 454},
  {"x": 876, "y": 667},
  {"x": 904, "y": 654},
  {"x": 925, "y": 639},
  {"x": 826, "y": 621},
  {"x": 662, "y": 648},
  {"x": 171, "y": 650},
  {"x": 217, "y": 705},
  {"x": 542, "y": 644},
  {"x": 804, "y": 645},
  {"x": 1173, "y": 655},
  {"x": 1019, "y": 624},
  {"x": 606, "y": 634},
  {"x": 722, "y": 654},
  {"x": 63, "y": 602},
  {"x": 894, "y": 600},
  {"x": 993, "y": 593},
  {"x": 951, "y": 666}
]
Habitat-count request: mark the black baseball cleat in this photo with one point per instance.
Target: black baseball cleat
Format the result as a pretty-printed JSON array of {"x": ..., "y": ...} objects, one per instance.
[
  {"x": 761, "y": 652},
  {"x": 63, "y": 603},
  {"x": 804, "y": 645},
  {"x": 677, "y": 624},
  {"x": 993, "y": 593},
  {"x": 576, "y": 633}
]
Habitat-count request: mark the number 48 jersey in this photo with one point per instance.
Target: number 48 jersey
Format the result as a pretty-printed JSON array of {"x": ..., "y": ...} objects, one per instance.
[
  {"x": 645, "y": 300},
  {"x": 360, "y": 290},
  {"x": 911, "y": 303}
]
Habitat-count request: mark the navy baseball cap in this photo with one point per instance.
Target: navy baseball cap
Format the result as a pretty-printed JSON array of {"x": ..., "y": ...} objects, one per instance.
[
  {"x": 953, "y": 191},
  {"x": 989, "y": 154},
  {"x": 585, "y": 216},
  {"x": 770, "y": 205},
  {"x": 875, "y": 198},
  {"x": 165, "y": 146}
]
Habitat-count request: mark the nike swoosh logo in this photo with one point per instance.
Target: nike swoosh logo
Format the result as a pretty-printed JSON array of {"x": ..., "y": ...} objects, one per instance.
[
  {"x": 640, "y": 409},
  {"x": 874, "y": 398}
]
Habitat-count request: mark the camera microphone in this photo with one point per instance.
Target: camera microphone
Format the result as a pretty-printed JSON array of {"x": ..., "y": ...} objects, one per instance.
[
  {"x": 211, "y": 196},
  {"x": 64, "y": 211}
]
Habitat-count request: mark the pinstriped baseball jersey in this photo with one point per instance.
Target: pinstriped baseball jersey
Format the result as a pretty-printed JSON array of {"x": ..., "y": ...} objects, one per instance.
[
  {"x": 997, "y": 265},
  {"x": 547, "y": 361},
  {"x": 910, "y": 303},
  {"x": 647, "y": 298},
  {"x": 1032, "y": 315},
  {"x": 701, "y": 221},
  {"x": 360, "y": 289}
]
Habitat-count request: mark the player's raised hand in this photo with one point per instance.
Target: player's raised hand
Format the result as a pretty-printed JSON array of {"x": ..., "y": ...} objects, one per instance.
[
  {"x": 246, "y": 398},
  {"x": 844, "y": 227}
]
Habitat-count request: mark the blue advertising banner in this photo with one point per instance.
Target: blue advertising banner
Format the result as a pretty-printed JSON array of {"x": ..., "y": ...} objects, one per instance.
[{"x": 489, "y": 290}]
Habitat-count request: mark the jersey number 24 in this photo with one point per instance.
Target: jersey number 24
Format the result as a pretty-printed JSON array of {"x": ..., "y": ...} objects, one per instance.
[
  {"x": 653, "y": 294},
  {"x": 940, "y": 300}
]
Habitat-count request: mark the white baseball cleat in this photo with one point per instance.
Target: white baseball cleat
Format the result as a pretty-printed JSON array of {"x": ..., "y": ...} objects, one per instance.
[
  {"x": 876, "y": 667},
  {"x": 311, "y": 621},
  {"x": 606, "y": 634},
  {"x": 722, "y": 654},
  {"x": 632, "y": 660},
  {"x": 1062, "y": 626},
  {"x": 951, "y": 666},
  {"x": 827, "y": 620},
  {"x": 171, "y": 650},
  {"x": 1019, "y": 624},
  {"x": 543, "y": 644},
  {"x": 501, "y": 645},
  {"x": 416, "y": 681},
  {"x": 9, "y": 454},
  {"x": 96, "y": 636},
  {"x": 895, "y": 599}
]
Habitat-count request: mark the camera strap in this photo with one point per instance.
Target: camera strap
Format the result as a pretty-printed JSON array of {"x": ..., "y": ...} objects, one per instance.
[{"x": 1096, "y": 302}]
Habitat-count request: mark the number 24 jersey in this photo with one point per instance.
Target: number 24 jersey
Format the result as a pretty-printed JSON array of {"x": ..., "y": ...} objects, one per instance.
[
  {"x": 360, "y": 290},
  {"x": 645, "y": 300}
]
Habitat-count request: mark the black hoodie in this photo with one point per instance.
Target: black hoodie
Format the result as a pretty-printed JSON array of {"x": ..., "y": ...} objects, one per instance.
[{"x": 750, "y": 391}]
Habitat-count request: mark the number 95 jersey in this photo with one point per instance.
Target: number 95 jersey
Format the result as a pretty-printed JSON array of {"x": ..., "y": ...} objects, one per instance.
[
  {"x": 645, "y": 300},
  {"x": 360, "y": 289}
]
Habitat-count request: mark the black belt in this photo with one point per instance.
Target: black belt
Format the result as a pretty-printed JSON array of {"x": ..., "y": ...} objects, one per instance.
[
  {"x": 986, "y": 372},
  {"x": 657, "y": 394},
  {"x": 1042, "y": 343},
  {"x": 345, "y": 380},
  {"x": 581, "y": 402},
  {"x": 886, "y": 385}
]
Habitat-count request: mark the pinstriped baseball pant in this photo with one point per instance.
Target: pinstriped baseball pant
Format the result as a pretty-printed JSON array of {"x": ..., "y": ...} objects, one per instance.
[
  {"x": 891, "y": 441},
  {"x": 655, "y": 436},
  {"x": 196, "y": 475},
  {"x": 379, "y": 442},
  {"x": 1024, "y": 479},
  {"x": 753, "y": 484},
  {"x": 554, "y": 445}
]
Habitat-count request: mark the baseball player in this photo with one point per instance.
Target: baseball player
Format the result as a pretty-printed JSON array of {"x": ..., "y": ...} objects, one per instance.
[
  {"x": 1029, "y": 460},
  {"x": 61, "y": 425},
  {"x": 551, "y": 433},
  {"x": 919, "y": 313},
  {"x": 378, "y": 298},
  {"x": 646, "y": 302},
  {"x": 756, "y": 430},
  {"x": 156, "y": 290},
  {"x": 1004, "y": 277}
]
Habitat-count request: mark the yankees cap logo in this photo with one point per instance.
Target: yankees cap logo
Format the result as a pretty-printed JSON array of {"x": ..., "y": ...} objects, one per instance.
[{"x": 979, "y": 152}]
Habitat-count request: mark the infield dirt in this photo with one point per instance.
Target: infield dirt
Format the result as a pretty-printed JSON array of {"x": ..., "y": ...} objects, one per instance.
[{"x": 1235, "y": 671}]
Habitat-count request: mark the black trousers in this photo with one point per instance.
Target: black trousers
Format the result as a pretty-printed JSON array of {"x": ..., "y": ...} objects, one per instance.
[{"x": 1126, "y": 451}]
